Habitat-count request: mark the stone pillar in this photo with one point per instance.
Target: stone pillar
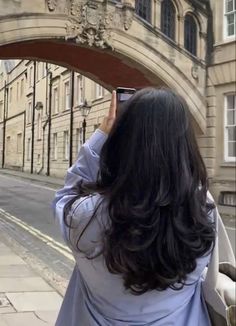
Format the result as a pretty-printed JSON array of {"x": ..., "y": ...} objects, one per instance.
[
  {"x": 157, "y": 13},
  {"x": 202, "y": 45},
  {"x": 180, "y": 32},
  {"x": 207, "y": 142}
]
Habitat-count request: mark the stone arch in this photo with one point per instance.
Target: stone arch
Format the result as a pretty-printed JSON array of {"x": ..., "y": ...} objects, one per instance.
[{"x": 132, "y": 59}]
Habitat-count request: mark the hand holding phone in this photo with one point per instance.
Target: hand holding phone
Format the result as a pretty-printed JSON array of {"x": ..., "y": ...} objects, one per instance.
[{"x": 109, "y": 120}]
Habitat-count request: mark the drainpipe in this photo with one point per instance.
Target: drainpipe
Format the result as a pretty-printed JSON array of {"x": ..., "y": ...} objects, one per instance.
[
  {"x": 33, "y": 120},
  {"x": 71, "y": 118},
  {"x": 49, "y": 122},
  {"x": 23, "y": 158},
  {"x": 4, "y": 123}
]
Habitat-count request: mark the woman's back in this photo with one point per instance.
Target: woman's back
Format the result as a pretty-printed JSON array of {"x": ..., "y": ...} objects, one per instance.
[{"x": 141, "y": 232}]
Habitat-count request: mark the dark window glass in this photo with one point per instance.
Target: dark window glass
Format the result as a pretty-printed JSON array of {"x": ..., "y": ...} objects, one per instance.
[
  {"x": 143, "y": 9},
  {"x": 168, "y": 18},
  {"x": 190, "y": 34}
]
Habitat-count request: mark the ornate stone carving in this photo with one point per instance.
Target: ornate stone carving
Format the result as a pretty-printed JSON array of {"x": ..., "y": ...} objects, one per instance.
[
  {"x": 52, "y": 4},
  {"x": 90, "y": 22}
]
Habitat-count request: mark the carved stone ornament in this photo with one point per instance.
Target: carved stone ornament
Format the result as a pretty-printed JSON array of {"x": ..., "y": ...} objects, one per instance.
[
  {"x": 90, "y": 22},
  {"x": 52, "y": 4}
]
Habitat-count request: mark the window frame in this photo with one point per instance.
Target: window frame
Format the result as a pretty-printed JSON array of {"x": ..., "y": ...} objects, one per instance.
[
  {"x": 55, "y": 108},
  {"x": 175, "y": 20},
  {"x": 190, "y": 14},
  {"x": 149, "y": 6},
  {"x": 19, "y": 143},
  {"x": 66, "y": 145},
  {"x": 67, "y": 95},
  {"x": 55, "y": 146},
  {"x": 28, "y": 149},
  {"x": 225, "y": 21},
  {"x": 228, "y": 158}
]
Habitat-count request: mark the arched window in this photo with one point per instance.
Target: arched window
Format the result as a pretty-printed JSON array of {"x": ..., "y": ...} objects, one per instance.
[
  {"x": 190, "y": 34},
  {"x": 168, "y": 18},
  {"x": 143, "y": 9}
]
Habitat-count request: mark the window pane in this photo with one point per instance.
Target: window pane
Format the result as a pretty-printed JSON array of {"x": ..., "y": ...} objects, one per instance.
[
  {"x": 143, "y": 9},
  {"x": 231, "y": 103},
  {"x": 168, "y": 18},
  {"x": 232, "y": 149},
  {"x": 230, "y": 117},
  {"x": 190, "y": 34},
  {"x": 232, "y": 133},
  {"x": 229, "y": 6}
]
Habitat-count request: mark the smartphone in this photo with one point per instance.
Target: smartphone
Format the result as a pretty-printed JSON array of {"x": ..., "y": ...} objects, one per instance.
[{"x": 123, "y": 94}]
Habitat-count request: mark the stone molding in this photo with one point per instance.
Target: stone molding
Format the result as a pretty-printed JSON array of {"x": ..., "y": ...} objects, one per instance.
[{"x": 90, "y": 22}]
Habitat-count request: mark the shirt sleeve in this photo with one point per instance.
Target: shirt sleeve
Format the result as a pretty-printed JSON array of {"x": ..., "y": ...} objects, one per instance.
[{"x": 85, "y": 169}]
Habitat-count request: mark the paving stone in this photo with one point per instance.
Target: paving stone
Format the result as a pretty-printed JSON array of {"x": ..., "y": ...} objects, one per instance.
[
  {"x": 22, "y": 319},
  {"x": 11, "y": 259},
  {"x": 35, "y": 301},
  {"x": 24, "y": 284},
  {"x": 9, "y": 271}
]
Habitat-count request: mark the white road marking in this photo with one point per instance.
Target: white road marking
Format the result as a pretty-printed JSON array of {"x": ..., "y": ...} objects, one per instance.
[
  {"x": 31, "y": 184},
  {"x": 64, "y": 250}
]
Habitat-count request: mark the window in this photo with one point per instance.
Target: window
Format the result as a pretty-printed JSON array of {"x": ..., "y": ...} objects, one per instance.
[
  {"x": 44, "y": 69},
  {"x": 21, "y": 87},
  {"x": 31, "y": 76},
  {"x": 168, "y": 18},
  {"x": 1, "y": 111},
  {"x": 67, "y": 95},
  {"x": 80, "y": 90},
  {"x": 28, "y": 148},
  {"x": 54, "y": 146},
  {"x": 8, "y": 144},
  {"x": 29, "y": 112},
  {"x": 190, "y": 34},
  {"x": 38, "y": 71},
  {"x": 66, "y": 145},
  {"x": 143, "y": 9},
  {"x": 79, "y": 138},
  {"x": 230, "y": 18},
  {"x": 17, "y": 90},
  {"x": 55, "y": 100},
  {"x": 39, "y": 126},
  {"x": 10, "y": 94},
  {"x": 230, "y": 128},
  {"x": 19, "y": 143},
  {"x": 99, "y": 91},
  {"x": 1, "y": 80}
]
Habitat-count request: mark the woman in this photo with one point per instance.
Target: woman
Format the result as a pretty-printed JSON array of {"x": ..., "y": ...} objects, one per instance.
[{"x": 134, "y": 211}]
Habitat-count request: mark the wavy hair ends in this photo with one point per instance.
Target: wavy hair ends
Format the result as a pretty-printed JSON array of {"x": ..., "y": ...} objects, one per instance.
[{"x": 154, "y": 179}]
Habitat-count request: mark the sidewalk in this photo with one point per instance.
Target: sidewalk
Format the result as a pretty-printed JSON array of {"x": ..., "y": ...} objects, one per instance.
[
  {"x": 25, "y": 298},
  {"x": 43, "y": 179}
]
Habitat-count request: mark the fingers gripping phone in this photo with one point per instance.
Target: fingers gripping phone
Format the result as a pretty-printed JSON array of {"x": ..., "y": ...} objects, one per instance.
[{"x": 123, "y": 94}]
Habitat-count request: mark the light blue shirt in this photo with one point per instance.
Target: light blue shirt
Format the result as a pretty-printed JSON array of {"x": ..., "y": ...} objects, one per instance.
[{"x": 96, "y": 297}]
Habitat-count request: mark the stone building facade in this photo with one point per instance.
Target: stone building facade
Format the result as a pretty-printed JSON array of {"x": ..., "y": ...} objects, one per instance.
[{"x": 196, "y": 44}]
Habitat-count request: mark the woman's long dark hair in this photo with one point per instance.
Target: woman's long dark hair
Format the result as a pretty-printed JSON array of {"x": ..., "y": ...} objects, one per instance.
[{"x": 154, "y": 179}]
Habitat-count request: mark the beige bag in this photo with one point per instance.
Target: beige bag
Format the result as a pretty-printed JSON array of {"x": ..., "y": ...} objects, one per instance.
[{"x": 219, "y": 287}]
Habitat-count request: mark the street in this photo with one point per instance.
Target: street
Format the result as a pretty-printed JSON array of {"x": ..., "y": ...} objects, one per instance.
[{"x": 26, "y": 217}]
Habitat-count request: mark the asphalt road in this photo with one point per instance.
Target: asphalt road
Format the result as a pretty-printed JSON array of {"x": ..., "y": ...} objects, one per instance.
[{"x": 26, "y": 216}]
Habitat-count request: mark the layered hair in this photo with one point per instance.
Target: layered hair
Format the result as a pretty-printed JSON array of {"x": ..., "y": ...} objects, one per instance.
[{"x": 155, "y": 183}]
